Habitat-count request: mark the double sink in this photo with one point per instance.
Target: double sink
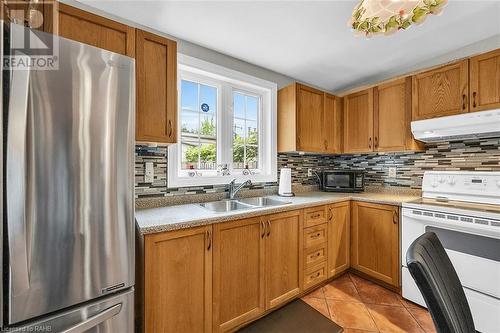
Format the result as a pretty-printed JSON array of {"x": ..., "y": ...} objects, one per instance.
[{"x": 222, "y": 206}]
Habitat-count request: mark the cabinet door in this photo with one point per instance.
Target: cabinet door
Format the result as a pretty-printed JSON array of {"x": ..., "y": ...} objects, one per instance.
[
  {"x": 156, "y": 66},
  {"x": 332, "y": 127},
  {"x": 339, "y": 223},
  {"x": 310, "y": 119},
  {"x": 284, "y": 252},
  {"x": 485, "y": 81},
  {"x": 375, "y": 241},
  {"x": 238, "y": 273},
  {"x": 358, "y": 122},
  {"x": 95, "y": 30},
  {"x": 178, "y": 281},
  {"x": 441, "y": 92}
]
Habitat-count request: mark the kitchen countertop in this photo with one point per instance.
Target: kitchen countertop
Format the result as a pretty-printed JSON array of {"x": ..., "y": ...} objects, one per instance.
[{"x": 169, "y": 218}]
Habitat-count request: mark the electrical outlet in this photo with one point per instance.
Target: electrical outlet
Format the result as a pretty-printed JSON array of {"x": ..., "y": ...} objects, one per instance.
[
  {"x": 392, "y": 172},
  {"x": 149, "y": 173},
  {"x": 309, "y": 172}
]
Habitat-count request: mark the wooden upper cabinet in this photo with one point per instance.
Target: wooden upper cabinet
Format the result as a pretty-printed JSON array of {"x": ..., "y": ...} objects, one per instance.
[
  {"x": 284, "y": 255},
  {"x": 332, "y": 129},
  {"x": 178, "y": 281},
  {"x": 239, "y": 277},
  {"x": 358, "y": 122},
  {"x": 375, "y": 241},
  {"x": 441, "y": 92},
  {"x": 308, "y": 120},
  {"x": 88, "y": 28},
  {"x": 156, "y": 84},
  {"x": 392, "y": 117},
  {"x": 339, "y": 223},
  {"x": 25, "y": 12},
  {"x": 485, "y": 81}
]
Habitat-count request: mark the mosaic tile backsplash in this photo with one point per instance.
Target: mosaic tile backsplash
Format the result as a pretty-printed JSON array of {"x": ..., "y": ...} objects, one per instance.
[{"x": 480, "y": 155}]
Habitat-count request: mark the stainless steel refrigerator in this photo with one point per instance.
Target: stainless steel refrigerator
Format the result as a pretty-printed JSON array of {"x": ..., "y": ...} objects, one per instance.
[{"x": 67, "y": 199}]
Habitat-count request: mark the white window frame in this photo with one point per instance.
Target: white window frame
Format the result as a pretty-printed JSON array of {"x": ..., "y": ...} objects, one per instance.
[{"x": 227, "y": 80}]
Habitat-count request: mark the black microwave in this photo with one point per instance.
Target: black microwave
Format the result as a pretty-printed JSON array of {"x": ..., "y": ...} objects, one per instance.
[{"x": 342, "y": 180}]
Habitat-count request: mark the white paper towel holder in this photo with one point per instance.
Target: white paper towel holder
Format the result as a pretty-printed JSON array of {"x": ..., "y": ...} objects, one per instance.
[
  {"x": 282, "y": 183},
  {"x": 290, "y": 194}
]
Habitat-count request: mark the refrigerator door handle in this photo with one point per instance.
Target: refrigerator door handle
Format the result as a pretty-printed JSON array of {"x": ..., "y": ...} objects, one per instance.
[
  {"x": 15, "y": 180},
  {"x": 95, "y": 320}
]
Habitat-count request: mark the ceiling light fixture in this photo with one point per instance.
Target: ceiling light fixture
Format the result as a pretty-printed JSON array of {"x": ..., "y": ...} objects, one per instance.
[{"x": 372, "y": 17}]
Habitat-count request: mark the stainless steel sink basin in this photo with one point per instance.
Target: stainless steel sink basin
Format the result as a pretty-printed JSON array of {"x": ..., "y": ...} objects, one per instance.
[
  {"x": 241, "y": 204},
  {"x": 224, "y": 206},
  {"x": 263, "y": 202}
]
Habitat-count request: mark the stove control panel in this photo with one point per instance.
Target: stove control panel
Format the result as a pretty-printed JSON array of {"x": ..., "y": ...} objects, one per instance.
[{"x": 471, "y": 186}]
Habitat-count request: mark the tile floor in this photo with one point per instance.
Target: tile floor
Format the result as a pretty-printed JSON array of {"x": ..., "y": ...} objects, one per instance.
[{"x": 360, "y": 306}]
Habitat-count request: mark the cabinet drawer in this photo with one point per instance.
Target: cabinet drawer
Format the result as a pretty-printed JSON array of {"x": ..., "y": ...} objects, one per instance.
[
  {"x": 315, "y": 255},
  {"x": 315, "y": 235},
  {"x": 315, "y": 215},
  {"x": 315, "y": 275}
]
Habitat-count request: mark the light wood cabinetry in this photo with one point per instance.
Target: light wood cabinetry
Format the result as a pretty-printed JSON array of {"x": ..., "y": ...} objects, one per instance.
[
  {"x": 178, "y": 281},
  {"x": 358, "y": 122},
  {"x": 315, "y": 245},
  {"x": 441, "y": 92},
  {"x": 239, "y": 278},
  {"x": 339, "y": 222},
  {"x": 392, "y": 117},
  {"x": 283, "y": 257},
  {"x": 308, "y": 120},
  {"x": 88, "y": 28},
  {"x": 332, "y": 129},
  {"x": 375, "y": 241},
  {"x": 156, "y": 69},
  {"x": 485, "y": 81}
]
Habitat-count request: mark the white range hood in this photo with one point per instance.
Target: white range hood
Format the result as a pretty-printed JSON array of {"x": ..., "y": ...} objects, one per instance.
[{"x": 472, "y": 125}]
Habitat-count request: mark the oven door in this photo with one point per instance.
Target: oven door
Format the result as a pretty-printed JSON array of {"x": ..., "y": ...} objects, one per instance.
[
  {"x": 474, "y": 251},
  {"x": 338, "y": 181}
]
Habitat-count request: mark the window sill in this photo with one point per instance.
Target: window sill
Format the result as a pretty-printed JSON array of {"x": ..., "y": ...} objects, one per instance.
[{"x": 174, "y": 182}]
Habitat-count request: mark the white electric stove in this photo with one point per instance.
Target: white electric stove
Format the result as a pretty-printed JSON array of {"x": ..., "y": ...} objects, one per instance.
[{"x": 463, "y": 209}]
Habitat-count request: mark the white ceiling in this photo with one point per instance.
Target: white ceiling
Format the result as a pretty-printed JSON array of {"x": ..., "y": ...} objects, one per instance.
[{"x": 310, "y": 40}]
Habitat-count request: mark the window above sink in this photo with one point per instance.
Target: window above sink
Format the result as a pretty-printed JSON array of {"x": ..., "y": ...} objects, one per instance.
[{"x": 227, "y": 127}]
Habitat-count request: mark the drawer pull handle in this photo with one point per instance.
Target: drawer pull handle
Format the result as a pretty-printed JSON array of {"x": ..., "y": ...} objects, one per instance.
[
  {"x": 315, "y": 216},
  {"x": 316, "y": 235},
  {"x": 316, "y": 275}
]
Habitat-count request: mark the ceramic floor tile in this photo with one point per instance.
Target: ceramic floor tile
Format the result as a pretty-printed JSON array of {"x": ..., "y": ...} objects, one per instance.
[
  {"x": 351, "y": 315},
  {"x": 375, "y": 294},
  {"x": 407, "y": 304},
  {"x": 353, "y": 330},
  {"x": 424, "y": 318},
  {"x": 317, "y": 293},
  {"x": 393, "y": 319},
  {"x": 358, "y": 281},
  {"x": 343, "y": 290},
  {"x": 319, "y": 305}
]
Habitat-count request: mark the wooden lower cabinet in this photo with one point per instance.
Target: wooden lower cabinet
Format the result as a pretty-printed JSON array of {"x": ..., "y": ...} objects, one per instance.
[
  {"x": 339, "y": 238},
  {"x": 375, "y": 241},
  {"x": 284, "y": 255},
  {"x": 238, "y": 266},
  {"x": 178, "y": 281}
]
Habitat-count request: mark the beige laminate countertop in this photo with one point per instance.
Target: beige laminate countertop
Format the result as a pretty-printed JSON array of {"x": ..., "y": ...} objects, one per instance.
[{"x": 169, "y": 218}]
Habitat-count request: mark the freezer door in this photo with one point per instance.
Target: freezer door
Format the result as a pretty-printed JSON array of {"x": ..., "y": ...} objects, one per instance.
[
  {"x": 111, "y": 314},
  {"x": 69, "y": 181}
]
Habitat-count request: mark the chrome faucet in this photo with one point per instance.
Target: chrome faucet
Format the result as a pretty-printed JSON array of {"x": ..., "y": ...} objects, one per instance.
[{"x": 233, "y": 188}]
